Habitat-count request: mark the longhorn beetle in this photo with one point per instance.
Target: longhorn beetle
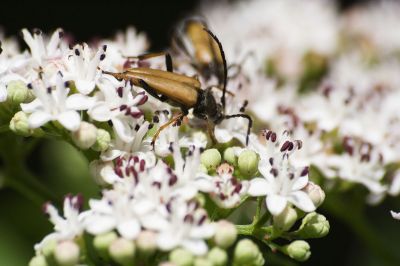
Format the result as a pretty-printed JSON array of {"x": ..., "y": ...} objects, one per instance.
[{"x": 182, "y": 91}]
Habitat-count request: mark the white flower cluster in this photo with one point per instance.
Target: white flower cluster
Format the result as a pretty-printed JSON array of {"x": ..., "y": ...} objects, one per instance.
[{"x": 329, "y": 107}]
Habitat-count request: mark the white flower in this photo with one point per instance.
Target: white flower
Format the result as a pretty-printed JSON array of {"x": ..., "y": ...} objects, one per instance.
[
  {"x": 120, "y": 106},
  {"x": 187, "y": 227},
  {"x": 270, "y": 144},
  {"x": 139, "y": 146},
  {"x": 44, "y": 51},
  {"x": 395, "y": 215},
  {"x": 68, "y": 227},
  {"x": 128, "y": 43},
  {"x": 282, "y": 184},
  {"x": 52, "y": 104},
  {"x": 224, "y": 189},
  {"x": 82, "y": 67},
  {"x": 115, "y": 210},
  {"x": 361, "y": 163},
  {"x": 186, "y": 170},
  {"x": 170, "y": 135}
]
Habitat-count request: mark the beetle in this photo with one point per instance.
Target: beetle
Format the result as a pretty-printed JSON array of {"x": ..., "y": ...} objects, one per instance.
[{"x": 182, "y": 91}]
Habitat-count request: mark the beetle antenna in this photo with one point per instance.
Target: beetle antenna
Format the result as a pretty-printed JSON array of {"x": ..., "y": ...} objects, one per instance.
[
  {"x": 224, "y": 64},
  {"x": 249, "y": 126}
]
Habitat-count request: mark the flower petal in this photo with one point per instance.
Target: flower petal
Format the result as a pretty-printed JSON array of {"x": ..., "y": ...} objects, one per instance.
[
  {"x": 276, "y": 204},
  {"x": 38, "y": 119},
  {"x": 85, "y": 86},
  {"x": 99, "y": 224},
  {"x": 70, "y": 120},
  {"x": 196, "y": 246},
  {"x": 300, "y": 183},
  {"x": 100, "y": 112},
  {"x": 123, "y": 130},
  {"x": 259, "y": 187},
  {"x": 129, "y": 229},
  {"x": 80, "y": 102},
  {"x": 302, "y": 201}
]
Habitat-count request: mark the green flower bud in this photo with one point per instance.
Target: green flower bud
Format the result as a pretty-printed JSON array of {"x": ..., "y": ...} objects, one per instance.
[
  {"x": 181, "y": 257},
  {"x": 85, "y": 136},
  {"x": 122, "y": 251},
  {"x": 248, "y": 162},
  {"x": 314, "y": 225},
  {"x": 103, "y": 140},
  {"x": 247, "y": 253},
  {"x": 19, "y": 124},
  {"x": 217, "y": 256},
  {"x": 102, "y": 242},
  {"x": 202, "y": 262},
  {"x": 146, "y": 243},
  {"x": 38, "y": 260},
  {"x": 285, "y": 220},
  {"x": 48, "y": 248},
  {"x": 66, "y": 253},
  {"x": 298, "y": 250},
  {"x": 202, "y": 169},
  {"x": 315, "y": 192},
  {"x": 230, "y": 156},
  {"x": 211, "y": 158},
  {"x": 17, "y": 92},
  {"x": 225, "y": 234}
]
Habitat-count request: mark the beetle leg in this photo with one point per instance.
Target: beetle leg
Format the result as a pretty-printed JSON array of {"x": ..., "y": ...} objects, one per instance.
[
  {"x": 168, "y": 58},
  {"x": 151, "y": 91},
  {"x": 250, "y": 124},
  {"x": 164, "y": 126}
]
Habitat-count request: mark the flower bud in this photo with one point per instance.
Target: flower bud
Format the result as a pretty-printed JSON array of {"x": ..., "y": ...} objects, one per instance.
[
  {"x": 103, "y": 140},
  {"x": 247, "y": 253},
  {"x": 102, "y": 242},
  {"x": 17, "y": 92},
  {"x": 66, "y": 253},
  {"x": 48, "y": 248},
  {"x": 230, "y": 156},
  {"x": 286, "y": 219},
  {"x": 146, "y": 242},
  {"x": 85, "y": 136},
  {"x": 315, "y": 192},
  {"x": 19, "y": 124},
  {"x": 248, "y": 162},
  {"x": 122, "y": 251},
  {"x": 298, "y": 250},
  {"x": 181, "y": 257},
  {"x": 314, "y": 225},
  {"x": 225, "y": 234},
  {"x": 202, "y": 169},
  {"x": 38, "y": 260},
  {"x": 217, "y": 256},
  {"x": 202, "y": 262},
  {"x": 211, "y": 158}
]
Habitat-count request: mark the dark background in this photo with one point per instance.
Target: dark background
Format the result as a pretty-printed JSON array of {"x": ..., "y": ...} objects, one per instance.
[{"x": 87, "y": 20}]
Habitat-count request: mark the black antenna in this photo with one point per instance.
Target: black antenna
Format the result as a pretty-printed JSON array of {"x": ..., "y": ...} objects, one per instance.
[{"x": 224, "y": 64}]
